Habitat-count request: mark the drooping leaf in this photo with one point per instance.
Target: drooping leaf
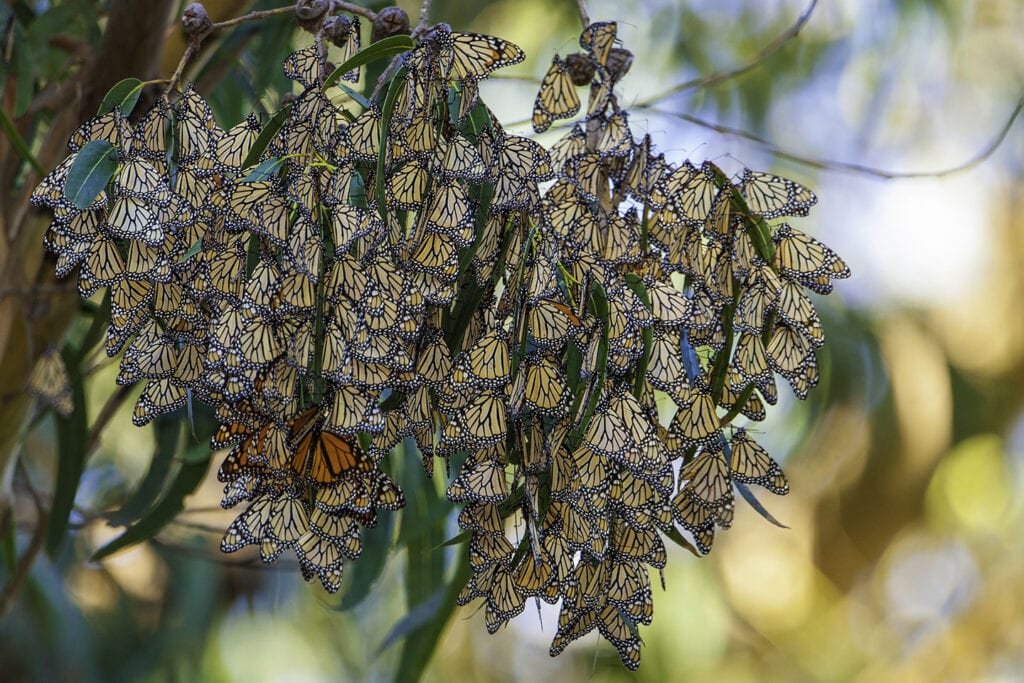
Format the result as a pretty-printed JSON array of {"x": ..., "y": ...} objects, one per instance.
[
  {"x": 92, "y": 169},
  {"x": 386, "y": 47},
  {"x": 125, "y": 94},
  {"x": 72, "y": 440},
  {"x": 185, "y": 482},
  {"x": 167, "y": 431},
  {"x": 749, "y": 496}
]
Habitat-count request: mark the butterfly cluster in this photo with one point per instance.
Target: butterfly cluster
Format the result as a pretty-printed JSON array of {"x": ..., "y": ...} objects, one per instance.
[{"x": 356, "y": 274}]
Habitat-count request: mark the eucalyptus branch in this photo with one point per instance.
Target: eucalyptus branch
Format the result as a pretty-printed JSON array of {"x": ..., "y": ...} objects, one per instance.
[
  {"x": 198, "y": 26},
  {"x": 714, "y": 79},
  {"x": 21, "y": 571},
  {"x": 849, "y": 167},
  {"x": 105, "y": 415},
  {"x": 424, "y": 16},
  {"x": 584, "y": 17},
  {"x": 355, "y": 9}
]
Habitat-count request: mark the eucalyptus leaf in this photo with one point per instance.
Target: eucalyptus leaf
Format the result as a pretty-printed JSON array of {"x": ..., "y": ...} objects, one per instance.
[{"x": 90, "y": 172}]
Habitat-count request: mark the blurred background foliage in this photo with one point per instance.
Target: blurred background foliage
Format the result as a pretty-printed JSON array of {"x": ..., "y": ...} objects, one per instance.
[{"x": 902, "y": 561}]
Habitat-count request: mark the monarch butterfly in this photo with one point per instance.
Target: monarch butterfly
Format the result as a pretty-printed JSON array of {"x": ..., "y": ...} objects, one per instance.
[
  {"x": 757, "y": 299},
  {"x": 607, "y": 435},
  {"x": 544, "y": 386},
  {"x": 476, "y": 56},
  {"x": 754, "y": 407},
  {"x": 484, "y": 421},
  {"x": 111, "y": 126},
  {"x": 600, "y": 97},
  {"x": 668, "y": 306},
  {"x": 354, "y": 410},
  {"x": 770, "y": 196},
  {"x": 788, "y": 350},
  {"x": 568, "y": 148},
  {"x": 695, "y": 518},
  {"x": 340, "y": 529},
  {"x": 232, "y": 149},
  {"x": 551, "y": 322},
  {"x": 408, "y": 187},
  {"x": 800, "y": 257},
  {"x": 151, "y": 136},
  {"x": 321, "y": 557},
  {"x": 458, "y": 158},
  {"x": 259, "y": 342},
  {"x": 320, "y": 455},
  {"x": 351, "y": 43},
  {"x": 364, "y": 135},
  {"x": 588, "y": 174},
  {"x": 696, "y": 421},
  {"x": 572, "y": 624},
  {"x": 616, "y": 139},
  {"x": 103, "y": 266},
  {"x": 590, "y": 470},
  {"x": 137, "y": 178},
  {"x": 598, "y": 39},
  {"x": 197, "y": 130},
  {"x": 304, "y": 66},
  {"x": 557, "y": 98},
  {"x": 533, "y": 575},
  {"x": 708, "y": 478},
  {"x": 796, "y": 309},
  {"x": 449, "y": 208},
  {"x": 478, "y": 516},
  {"x": 751, "y": 363},
  {"x": 504, "y": 601},
  {"x": 751, "y": 464},
  {"x": 487, "y": 549},
  {"x": 486, "y": 363},
  {"x": 50, "y": 383},
  {"x": 481, "y": 479}
]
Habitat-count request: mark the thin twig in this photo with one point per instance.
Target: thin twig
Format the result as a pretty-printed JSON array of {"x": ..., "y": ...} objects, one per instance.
[
  {"x": 194, "y": 44},
  {"x": 24, "y": 566},
  {"x": 714, "y": 79},
  {"x": 252, "y": 16},
  {"x": 106, "y": 413},
  {"x": 424, "y": 16},
  {"x": 831, "y": 165},
  {"x": 584, "y": 17},
  {"x": 355, "y": 9}
]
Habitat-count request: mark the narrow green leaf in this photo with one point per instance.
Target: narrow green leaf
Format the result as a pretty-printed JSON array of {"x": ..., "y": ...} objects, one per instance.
[
  {"x": 23, "y": 63},
  {"x": 19, "y": 144},
  {"x": 92, "y": 169},
  {"x": 749, "y": 496},
  {"x": 10, "y": 548},
  {"x": 360, "y": 576},
  {"x": 97, "y": 329},
  {"x": 385, "y": 124},
  {"x": 600, "y": 305},
  {"x": 192, "y": 251},
  {"x": 268, "y": 168},
  {"x": 415, "y": 619},
  {"x": 185, "y": 482},
  {"x": 636, "y": 283},
  {"x": 673, "y": 534},
  {"x": 458, "y": 539},
  {"x": 72, "y": 436},
  {"x": 358, "y": 97},
  {"x": 262, "y": 140},
  {"x": 124, "y": 95},
  {"x": 420, "y": 644},
  {"x": 387, "y": 47},
  {"x": 167, "y": 431}
]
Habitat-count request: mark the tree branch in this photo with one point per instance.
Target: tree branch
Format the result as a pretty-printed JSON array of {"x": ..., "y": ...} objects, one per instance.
[
  {"x": 584, "y": 17},
  {"x": 850, "y": 167},
  {"x": 714, "y": 79},
  {"x": 24, "y": 566}
]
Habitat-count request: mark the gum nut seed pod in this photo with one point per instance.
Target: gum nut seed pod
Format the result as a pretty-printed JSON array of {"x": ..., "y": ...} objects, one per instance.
[
  {"x": 390, "y": 21},
  {"x": 581, "y": 68},
  {"x": 336, "y": 29},
  {"x": 619, "y": 61},
  {"x": 309, "y": 14},
  {"x": 195, "y": 22}
]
